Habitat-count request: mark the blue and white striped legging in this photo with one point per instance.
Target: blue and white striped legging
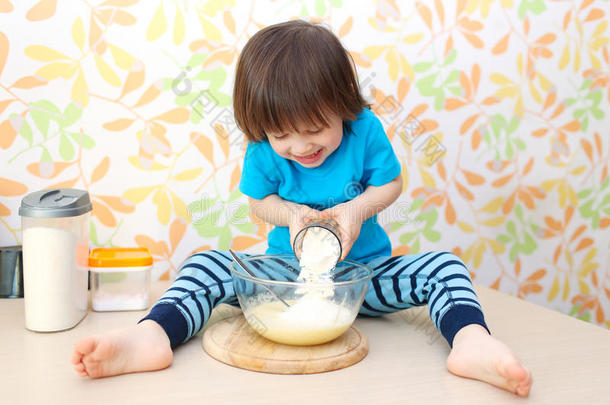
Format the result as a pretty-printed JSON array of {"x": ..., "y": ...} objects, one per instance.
[{"x": 439, "y": 279}]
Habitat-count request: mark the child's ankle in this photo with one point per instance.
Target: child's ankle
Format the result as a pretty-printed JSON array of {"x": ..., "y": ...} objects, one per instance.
[
  {"x": 469, "y": 331},
  {"x": 153, "y": 328}
]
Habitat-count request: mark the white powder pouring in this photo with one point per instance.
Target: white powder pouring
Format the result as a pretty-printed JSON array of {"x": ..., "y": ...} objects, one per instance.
[
  {"x": 313, "y": 311},
  {"x": 319, "y": 255},
  {"x": 313, "y": 318}
]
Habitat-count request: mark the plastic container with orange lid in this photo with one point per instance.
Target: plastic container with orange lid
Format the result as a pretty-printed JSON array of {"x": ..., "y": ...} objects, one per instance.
[{"x": 120, "y": 278}]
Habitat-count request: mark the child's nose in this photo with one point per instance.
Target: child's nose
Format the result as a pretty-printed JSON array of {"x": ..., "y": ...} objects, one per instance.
[{"x": 302, "y": 146}]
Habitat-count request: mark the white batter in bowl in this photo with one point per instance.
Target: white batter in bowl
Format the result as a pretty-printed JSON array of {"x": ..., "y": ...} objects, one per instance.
[{"x": 314, "y": 316}]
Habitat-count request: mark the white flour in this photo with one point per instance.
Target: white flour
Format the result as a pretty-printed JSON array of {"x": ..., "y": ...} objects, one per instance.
[
  {"x": 319, "y": 254},
  {"x": 105, "y": 301},
  {"x": 313, "y": 318},
  {"x": 54, "y": 279},
  {"x": 310, "y": 320},
  {"x": 314, "y": 312}
]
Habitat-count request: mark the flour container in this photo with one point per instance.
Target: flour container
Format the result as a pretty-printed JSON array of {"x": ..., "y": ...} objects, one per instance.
[
  {"x": 55, "y": 258},
  {"x": 120, "y": 278}
]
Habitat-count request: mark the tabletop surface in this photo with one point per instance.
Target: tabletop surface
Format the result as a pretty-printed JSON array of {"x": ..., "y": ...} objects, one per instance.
[{"x": 569, "y": 360}]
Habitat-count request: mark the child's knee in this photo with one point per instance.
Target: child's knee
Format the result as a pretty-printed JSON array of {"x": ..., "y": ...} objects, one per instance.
[
  {"x": 454, "y": 264},
  {"x": 212, "y": 253},
  {"x": 449, "y": 256},
  {"x": 218, "y": 253},
  {"x": 216, "y": 261}
]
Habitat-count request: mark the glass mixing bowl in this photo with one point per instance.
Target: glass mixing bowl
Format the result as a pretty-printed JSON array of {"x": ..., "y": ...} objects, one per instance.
[{"x": 318, "y": 312}]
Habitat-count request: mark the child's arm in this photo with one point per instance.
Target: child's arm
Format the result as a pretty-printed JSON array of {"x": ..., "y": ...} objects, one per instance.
[
  {"x": 274, "y": 210},
  {"x": 376, "y": 199},
  {"x": 350, "y": 215}
]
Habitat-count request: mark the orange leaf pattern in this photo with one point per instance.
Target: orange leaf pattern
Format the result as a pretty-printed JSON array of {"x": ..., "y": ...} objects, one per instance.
[{"x": 499, "y": 120}]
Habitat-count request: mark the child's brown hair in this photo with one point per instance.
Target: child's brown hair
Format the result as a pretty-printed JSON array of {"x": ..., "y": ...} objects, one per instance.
[{"x": 293, "y": 73}]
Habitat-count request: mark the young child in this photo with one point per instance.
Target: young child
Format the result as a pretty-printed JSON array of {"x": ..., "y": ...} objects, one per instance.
[{"x": 315, "y": 151}]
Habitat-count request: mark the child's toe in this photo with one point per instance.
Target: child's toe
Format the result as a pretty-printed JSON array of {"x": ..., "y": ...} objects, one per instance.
[
  {"x": 520, "y": 378},
  {"x": 523, "y": 390},
  {"x": 92, "y": 368},
  {"x": 84, "y": 347}
]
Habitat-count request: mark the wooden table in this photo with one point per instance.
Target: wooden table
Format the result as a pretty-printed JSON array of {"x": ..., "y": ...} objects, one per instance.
[{"x": 569, "y": 359}]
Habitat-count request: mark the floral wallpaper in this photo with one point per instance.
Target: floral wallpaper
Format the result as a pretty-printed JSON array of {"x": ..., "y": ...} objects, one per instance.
[{"x": 497, "y": 109}]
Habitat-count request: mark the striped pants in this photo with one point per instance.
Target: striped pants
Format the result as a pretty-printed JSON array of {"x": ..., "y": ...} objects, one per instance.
[{"x": 439, "y": 279}]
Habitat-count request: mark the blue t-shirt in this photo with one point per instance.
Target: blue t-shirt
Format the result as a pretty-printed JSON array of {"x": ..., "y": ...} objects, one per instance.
[{"x": 364, "y": 157}]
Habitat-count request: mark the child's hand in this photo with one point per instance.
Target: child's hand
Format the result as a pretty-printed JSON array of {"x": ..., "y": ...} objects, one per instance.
[
  {"x": 300, "y": 216},
  {"x": 349, "y": 220}
]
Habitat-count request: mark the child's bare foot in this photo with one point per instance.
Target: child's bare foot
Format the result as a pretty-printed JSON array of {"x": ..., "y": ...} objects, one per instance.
[
  {"x": 141, "y": 347},
  {"x": 478, "y": 355}
]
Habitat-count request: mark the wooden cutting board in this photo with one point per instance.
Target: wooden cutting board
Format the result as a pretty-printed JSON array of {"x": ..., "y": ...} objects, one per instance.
[{"x": 234, "y": 342}]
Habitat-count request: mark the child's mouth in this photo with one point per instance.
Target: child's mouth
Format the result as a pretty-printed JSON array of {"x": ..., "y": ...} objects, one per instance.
[{"x": 309, "y": 159}]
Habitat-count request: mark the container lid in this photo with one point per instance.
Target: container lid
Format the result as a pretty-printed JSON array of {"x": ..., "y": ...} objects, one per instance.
[
  {"x": 120, "y": 257},
  {"x": 58, "y": 203}
]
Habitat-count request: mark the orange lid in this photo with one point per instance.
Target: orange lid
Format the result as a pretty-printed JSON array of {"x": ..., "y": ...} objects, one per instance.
[{"x": 120, "y": 257}]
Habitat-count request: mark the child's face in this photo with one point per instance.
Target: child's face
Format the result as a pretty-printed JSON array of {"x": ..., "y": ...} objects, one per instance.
[{"x": 309, "y": 146}]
